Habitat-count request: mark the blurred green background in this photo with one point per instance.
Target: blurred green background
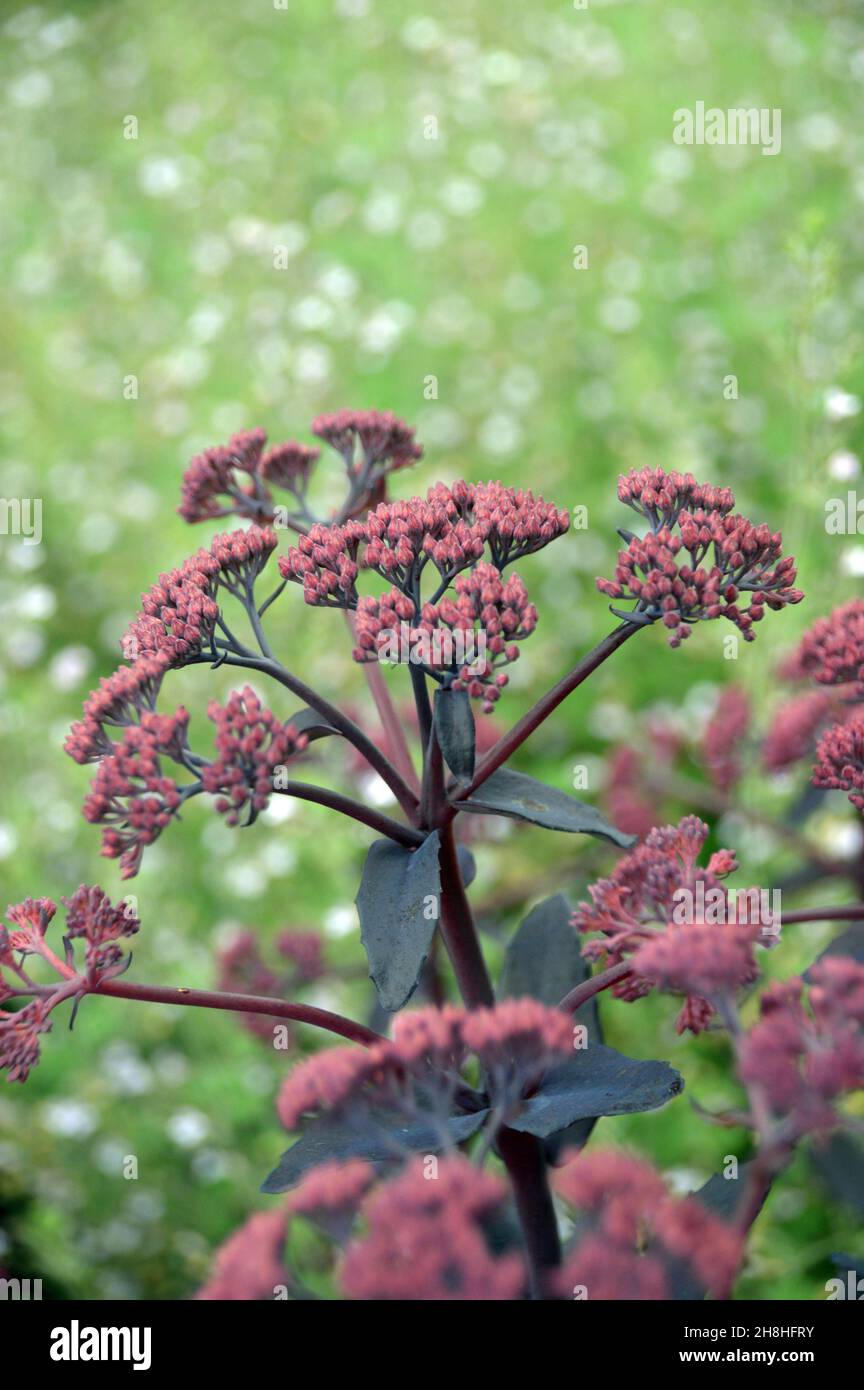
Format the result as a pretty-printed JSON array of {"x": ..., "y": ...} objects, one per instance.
[{"x": 402, "y": 258}]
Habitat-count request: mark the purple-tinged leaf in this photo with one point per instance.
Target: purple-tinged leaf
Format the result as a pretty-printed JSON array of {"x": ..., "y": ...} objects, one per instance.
[{"x": 399, "y": 905}]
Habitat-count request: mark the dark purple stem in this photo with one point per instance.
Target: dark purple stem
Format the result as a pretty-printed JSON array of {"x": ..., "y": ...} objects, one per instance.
[
  {"x": 459, "y": 931},
  {"x": 240, "y": 1003},
  {"x": 376, "y": 820},
  {"x": 509, "y": 742},
  {"x": 525, "y": 1162},
  {"x": 580, "y": 994},
  {"x": 824, "y": 914}
]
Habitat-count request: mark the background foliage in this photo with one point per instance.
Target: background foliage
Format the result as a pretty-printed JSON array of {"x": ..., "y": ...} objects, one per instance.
[{"x": 406, "y": 258}]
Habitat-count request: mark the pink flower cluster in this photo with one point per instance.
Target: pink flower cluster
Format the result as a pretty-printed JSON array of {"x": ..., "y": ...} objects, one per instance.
[
  {"x": 179, "y": 613},
  {"x": 515, "y": 1042},
  {"x": 661, "y": 497},
  {"x": 121, "y": 699},
  {"x": 723, "y": 749},
  {"x": 239, "y": 477},
  {"x": 467, "y": 638},
  {"x": 385, "y": 442},
  {"x": 31, "y": 919},
  {"x": 459, "y": 639},
  {"x": 634, "y": 1228},
  {"x": 802, "y": 1060},
  {"x": 651, "y": 912},
  {"x": 840, "y": 760},
  {"x": 832, "y": 650},
  {"x": 332, "y": 1189},
  {"x": 211, "y": 487},
  {"x": 425, "y": 1238},
  {"x": 91, "y": 916},
  {"x": 250, "y": 1265},
  {"x": 131, "y": 796},
  {"x": 19, "y": 1037},
  {"x": 727, "y": 557},
  {"x": 251, "y": 745},
  {"x": 794, "y": 728}
]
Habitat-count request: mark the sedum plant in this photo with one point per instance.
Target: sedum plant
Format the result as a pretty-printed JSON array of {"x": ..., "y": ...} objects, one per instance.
[{"x": 440, "y": 1154}]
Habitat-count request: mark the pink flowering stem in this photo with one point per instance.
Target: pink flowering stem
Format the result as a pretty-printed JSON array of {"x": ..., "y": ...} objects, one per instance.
[
  {"x": 580, "y": 994},
  {"x": 366, "y": 815},
  {"x": 373, "y": 755},
  {"x": 240, "y": 1003},
  {"x": 515, "y": 737}
]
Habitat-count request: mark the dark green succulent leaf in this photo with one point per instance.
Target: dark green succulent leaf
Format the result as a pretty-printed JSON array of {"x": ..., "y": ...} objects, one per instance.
[
  {"x": 597, "y": 1080},
  {"x": 544, "y": 958},
  {"x": 508, "y": 793},
  {"x": 398, "y": 903},
  {"x": 839, "y": 1160},
  {"x": 724, "y": 1198},
  {"x": 382, "y": 1139},
  {"x": 454, "y": 727},
  {"x": 467, "y": 865},
  {"x": 312, "y": 724}
]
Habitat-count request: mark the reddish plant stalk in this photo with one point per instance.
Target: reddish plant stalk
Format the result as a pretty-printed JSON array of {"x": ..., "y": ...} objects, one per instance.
[
  {"x": 240, "y": 1003},
  {"x": 580, "y": 994},
  {"x": 367, "y": 815},
  {"x": 521, "y": 1154},
  {"x": 824, "y": 914},
  {"x": 525, "y": 1161},
  {"x": 515, "y": 737},
  {"x": 459, "y": 931}
]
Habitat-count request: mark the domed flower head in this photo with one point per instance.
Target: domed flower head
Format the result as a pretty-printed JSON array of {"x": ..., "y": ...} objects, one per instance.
[
  {"x": 178, "y": 614},
  {"x": 698, "y": 561},
  {"x": 121, "y": 700},
  {"x": 250, "y": 1265},
  {"x": 723, "y": 740},
  {"x": 675, "y": 922},
  {"x": 131, "y": 795},
  {"x": 426, "y": 1238},
  {"x": 464, "y": 641},
  {"x": 91, "y": 915},
  {"x": 372, "y": 442},
  {"x": 331, "y": 1193},
  {"x": 632, "y": 1232},
  {"x": 832, "y": 650},
  {"x": 30, "y": 920},
  {"x": 807, "y": 1050},
  {"x": 240, "y": 477},
  {"x": 471, "y": 621},
  {"x": 252, "y": 747},
  {"x": 236, "y": 478},
  {"x": 840, "y": 760},
  {"x": 19, "y": 1038},
  {"x": 515, "y": 1042}
]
